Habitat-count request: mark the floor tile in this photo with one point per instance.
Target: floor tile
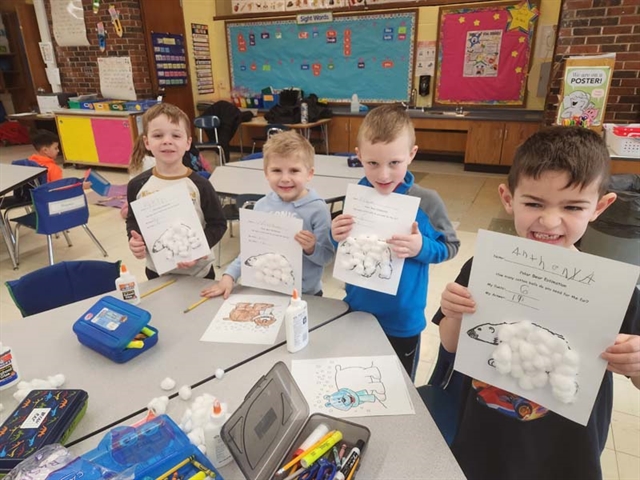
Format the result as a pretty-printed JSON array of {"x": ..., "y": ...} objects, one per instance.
[
  {"x": 628, "y": 466},
  {"x": 609, "y": 464},
  {"x": 626, "y": 432},
  {"x": 626, "y": 397}
]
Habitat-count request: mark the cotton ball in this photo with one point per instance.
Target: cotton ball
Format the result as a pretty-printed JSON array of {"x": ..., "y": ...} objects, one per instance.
[
  {"x": 359, "y": 269},
  {"x": 525, "y": 382},
  {"x": 21, "y": 395},
  {"x": 527, "y": 351},
  {"x": 185, "y": 392},
  {"x": 385, "y": 271},
  {"x": 184, "y": 253},
  {"x": 528, "y": 367},
  {"x": 167, "y": 384},
  {"x": 168, "y": 254},
  {"x": 539, "y": 362},
  {"x": 515, "y": 343},
  {"x": 23, "y": 385},
  {"x": 539, "y": 379},
  {"x": 219, "y": 373},
  {"x": 515, "y": 357},
  {"x": 259, "y": 276},
  {"x": 506, "y": 332},
  {"x": 369, "y": 262},
  {"x": 196, "y": 436},
  {"x": 516, "y": 370},
  {"x": 571, "y": 358},
  {"x": 523, "y": 329},
  {"x": 158, "y": 405},
  {"x": 56, "y": 380},
  {"x": 559, "y": 345},
  {"x": 543, "y": 350},
  {"x": 561, "y": 382},
  {"x": 188, "y": 426},
  {"x": 39, "y": 384},
  {"x": 557, "y": 358},
  {"x": 567, "y": 370}
]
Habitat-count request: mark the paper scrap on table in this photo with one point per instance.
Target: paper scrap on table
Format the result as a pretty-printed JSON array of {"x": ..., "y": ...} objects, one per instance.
[
  {"x": 353, "y": 386},
  {"x": 364, "y": 258},
  {"x": 271, "y": 257},
  {"x": 254, "y": 319},
  {"x": 572, "y": 305},
  {"x": 170, "y": 227}
]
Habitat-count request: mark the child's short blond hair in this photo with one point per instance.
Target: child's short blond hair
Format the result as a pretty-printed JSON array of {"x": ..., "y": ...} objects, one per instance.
[
  {"x": 385, "y": 124},
  {"x": 173, "y": 113},
  {"x": 289, "y": 144}
]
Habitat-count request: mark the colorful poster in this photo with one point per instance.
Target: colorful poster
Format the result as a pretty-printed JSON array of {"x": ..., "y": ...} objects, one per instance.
[
  {"x": 170, "y": 59},
  {"x": 482, "y": 53},
  {"x": 202, "y": 56},
  {"x": 425, "y": 57},
  {"x": 585, "y": 93}
]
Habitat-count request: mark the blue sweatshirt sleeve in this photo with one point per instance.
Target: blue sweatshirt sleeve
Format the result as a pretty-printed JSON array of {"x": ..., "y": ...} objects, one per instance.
[
  {"x": 434, "y": 247},
  {"x": 321, "y": 228},
  {"x": 234, "y": 269}
]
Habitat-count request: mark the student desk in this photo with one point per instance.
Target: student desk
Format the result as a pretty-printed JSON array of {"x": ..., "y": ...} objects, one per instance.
[
  {"x": 234, "y": 181},
  {"x": 12, "y": 177},
  {"x": 304, "y": 128},
  {"x": 324, "y": 166},
  {"x": 401, "y": 447},
  {"x": 45, "y": 345}
]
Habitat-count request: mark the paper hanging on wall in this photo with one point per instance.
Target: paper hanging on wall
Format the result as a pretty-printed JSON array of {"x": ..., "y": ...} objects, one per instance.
[
  {"x": 53, "y": 75},
  {"x": 69, "y": 29},
  {"x": 46, "y": 50},
  {"x": 116, "y": 78}
]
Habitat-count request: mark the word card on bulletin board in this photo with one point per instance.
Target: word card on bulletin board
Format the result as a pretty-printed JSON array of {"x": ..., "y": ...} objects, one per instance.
[
  {"x": 484, "y": 53},
  {"x": 368, "y": 54}
]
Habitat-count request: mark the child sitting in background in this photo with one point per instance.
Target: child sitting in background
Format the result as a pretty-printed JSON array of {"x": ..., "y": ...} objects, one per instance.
[
  {"x": 386, "y": 147},
  {"x": 288, "y": 167},
  {"x": 47, "y": 146},
  {"x": 167, "y": 137}
]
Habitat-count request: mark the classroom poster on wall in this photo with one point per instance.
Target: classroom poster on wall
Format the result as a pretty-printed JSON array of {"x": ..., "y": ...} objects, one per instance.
[
  {"x": 202, "y": 57},
  {"x": 484, "y": 52},
  {"x": 69, "y": 28},
  {"x": 584, "y": 94},
  {"x": 425, "y": 57},
  {"x": 170, "y": 59},
  {"x": 329, "y": 59},
  {"x": 116, "y": 78}
]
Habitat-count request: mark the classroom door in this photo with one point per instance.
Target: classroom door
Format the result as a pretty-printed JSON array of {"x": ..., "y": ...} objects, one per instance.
[{"x": 168, "y": 19}]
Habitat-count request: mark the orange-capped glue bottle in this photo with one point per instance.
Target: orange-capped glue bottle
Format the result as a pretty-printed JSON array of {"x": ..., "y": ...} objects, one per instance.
[
  {"x": 127, "y": 286},
  {"x": 296, "y": 323}
]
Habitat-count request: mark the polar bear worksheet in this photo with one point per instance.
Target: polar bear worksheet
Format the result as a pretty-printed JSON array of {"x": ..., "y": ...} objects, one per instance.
[{"x": 364, "y": 258}]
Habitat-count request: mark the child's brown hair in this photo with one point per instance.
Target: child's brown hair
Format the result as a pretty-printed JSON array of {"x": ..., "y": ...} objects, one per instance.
[
  {"x": 578, "y": 151},
  {"x": 173, "y": 113},
  {"x": 289, "y": 144},
  {"x": 137, "y": 156},
  {"x": 386, "y": 123}
]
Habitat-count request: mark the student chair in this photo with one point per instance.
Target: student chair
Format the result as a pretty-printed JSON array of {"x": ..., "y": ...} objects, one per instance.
[
  {"x": 209, "y": 122},
  {"x": 252, "y": 156},
  {"x": 232, "y": 213},
  {"x": 61, "y": 284},
  {"x": 58, "y": 206},
  {"x": 270, "y": 129}
]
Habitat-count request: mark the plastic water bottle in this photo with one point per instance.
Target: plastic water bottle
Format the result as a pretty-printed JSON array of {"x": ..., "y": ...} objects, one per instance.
[
  {"x": 304, "y": 112},
  {"x": 355, "y": 104},
  {"x": 8, "y": 368},
  {"x": 296, "y": 322}
]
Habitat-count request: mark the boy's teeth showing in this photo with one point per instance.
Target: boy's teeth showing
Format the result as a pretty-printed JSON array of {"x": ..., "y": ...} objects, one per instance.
[{"x": 545, "y": 236}]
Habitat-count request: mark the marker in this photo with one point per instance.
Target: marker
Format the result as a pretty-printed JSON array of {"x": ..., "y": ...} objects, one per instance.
[
  {"x": 350, "y": 462},
  {"x": 295, "y": 460},
  {"x": 147, "y": 331},
  {"x": 319, "y": 432},
  {"x": 321, "y": 449}
]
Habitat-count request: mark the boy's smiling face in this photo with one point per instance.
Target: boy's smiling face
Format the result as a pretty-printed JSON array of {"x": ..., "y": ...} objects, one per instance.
[
  {"x": 546, "y": 210},
  {"x": 288, "y": 177},
  {"x": 167, "y": 141}
]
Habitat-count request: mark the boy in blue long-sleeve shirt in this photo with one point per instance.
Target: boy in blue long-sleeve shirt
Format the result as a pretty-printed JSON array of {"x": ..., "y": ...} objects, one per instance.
[
  {"x": 288, "y": 167},
  {"x": 386, "y": 147}
]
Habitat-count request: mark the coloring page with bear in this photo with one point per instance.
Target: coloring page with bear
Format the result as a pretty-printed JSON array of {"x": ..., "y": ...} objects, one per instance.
[
  {"x": 271, "y": 257},
  {"x": 170, "y": 227},
  {"x": 254, "y": 319},
  {"x": 544, "y": 315},
  {"x": 353, "y": 386},
  {"x": 364, "y": 258}
]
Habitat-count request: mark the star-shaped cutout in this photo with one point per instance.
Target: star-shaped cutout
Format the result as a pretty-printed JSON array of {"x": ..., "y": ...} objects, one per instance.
[
  {"x": 514, "y": 54},
  {"x": 522, "y": 16},
  {"x": 521, "y": 39},
  {"x": 461, "y": 20},
  {"x": 518, "y": 69},
  {"x": 496, "y": 16},
  {"x": 476, "y": 23}
]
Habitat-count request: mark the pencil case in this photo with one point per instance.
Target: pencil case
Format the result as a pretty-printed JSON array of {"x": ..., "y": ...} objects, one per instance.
[
  {"x": 42, "y": 418},
  {"x": 116, "y": 329}
]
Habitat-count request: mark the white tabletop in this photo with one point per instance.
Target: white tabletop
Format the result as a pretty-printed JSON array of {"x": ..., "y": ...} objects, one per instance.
[
  {"x": 238, "y": 181},
  {"x": 12, "y": 176},
  {"x": 45, "y": 345},
  {"x": 324, "y": 166},
  {"x": 400, "y": 447}
]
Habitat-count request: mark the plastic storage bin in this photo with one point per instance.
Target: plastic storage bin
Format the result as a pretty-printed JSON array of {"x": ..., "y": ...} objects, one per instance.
[
  {"x": 110, "y": 325},
  {"x": 273, "y": 420},
  {"x": 42, "y": 418},
  {"x": 270, "y": 100},
  {"x": 140, "y": 105},
  {"x": 624, "y": 140}
]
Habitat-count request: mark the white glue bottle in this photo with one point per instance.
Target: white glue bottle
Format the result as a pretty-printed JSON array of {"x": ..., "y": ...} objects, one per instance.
[
  {"x": 127, "y": 286},
  {"x": 8, "y": 367},
  {"x": 216, "y": 450},
  {"x": 296, "y": 323}
]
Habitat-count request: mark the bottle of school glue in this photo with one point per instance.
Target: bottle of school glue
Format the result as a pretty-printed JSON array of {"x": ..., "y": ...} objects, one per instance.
[
  {"x": 296, "y": 323},
  {"x": 8, "y": 367},
  {"x": 127, "y": 286},
  {"x": 216, "y": 450}
]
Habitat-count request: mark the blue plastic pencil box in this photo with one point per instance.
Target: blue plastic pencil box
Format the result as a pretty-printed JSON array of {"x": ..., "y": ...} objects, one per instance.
[
  {"x": 110, "y": 327},
  {"x": 42, "y": 418}
]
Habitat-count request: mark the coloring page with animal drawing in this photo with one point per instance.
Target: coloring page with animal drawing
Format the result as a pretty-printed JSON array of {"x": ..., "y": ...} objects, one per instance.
[
  {"x": 544, "y": 315},
  {"x": 364, "y": 258},
  {"x": 170, "y": 227},
  {"x": 254, "y": 319},
  {"x": 353, "y": 386},
  {"x": 271, "y": 257}
]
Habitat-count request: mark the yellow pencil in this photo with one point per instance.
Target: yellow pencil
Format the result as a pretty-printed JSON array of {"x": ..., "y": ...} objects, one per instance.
[
  {"x": 297, "y": 459},
  {"x": 197, "y": 304},
  {"x": 353, "y": 470},
  {"x": 154, "y": 290}
]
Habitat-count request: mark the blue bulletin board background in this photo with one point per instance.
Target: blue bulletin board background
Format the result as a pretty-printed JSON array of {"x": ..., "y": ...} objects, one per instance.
[{"x": 368, "y": 54}]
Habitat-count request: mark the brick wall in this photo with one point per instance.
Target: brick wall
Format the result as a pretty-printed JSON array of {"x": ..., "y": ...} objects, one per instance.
[
  {"x": 591, "y": 27},
  {"x": 79, "y": 65}
]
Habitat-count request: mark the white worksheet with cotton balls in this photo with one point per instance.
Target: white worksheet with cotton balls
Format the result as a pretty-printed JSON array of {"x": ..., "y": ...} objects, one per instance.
[
  {"x": 271, "y": 257},
  {"x": 364, "y": 258},
  {"x": 544, "y": 315},
  {"x": 170, "y": 227}
]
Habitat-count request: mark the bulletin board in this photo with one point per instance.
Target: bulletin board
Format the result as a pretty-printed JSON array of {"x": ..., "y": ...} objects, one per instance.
[
  {"x": 484, "y": 53},
  {"x": 368, "y": 54}
]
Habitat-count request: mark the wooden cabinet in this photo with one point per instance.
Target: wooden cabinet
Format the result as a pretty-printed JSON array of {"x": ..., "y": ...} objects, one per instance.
[
  {"x": 495, "y": 143},
  {"x": 343, "y": 134}
]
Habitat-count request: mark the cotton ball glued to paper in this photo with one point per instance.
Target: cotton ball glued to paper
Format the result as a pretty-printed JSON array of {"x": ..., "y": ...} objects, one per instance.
[
  {"x": 365, "y": 255},
  {"x": 271, "y": 268},
  {"x": 185, "y": 392},
  {"x": 167, "y": 384},
  {"x": 177, "y": 241}
]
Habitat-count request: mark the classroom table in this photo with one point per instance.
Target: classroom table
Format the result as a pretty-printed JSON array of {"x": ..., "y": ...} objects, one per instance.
[
  {"x": 45, "y": 345},
  {"x": 324, "y": 166},
  {"x": 304, "y": 128},
  {"x": 12, "y": 177},
  {"x": 400, "y": 447},
  {"x": 234, "y": 181}
]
